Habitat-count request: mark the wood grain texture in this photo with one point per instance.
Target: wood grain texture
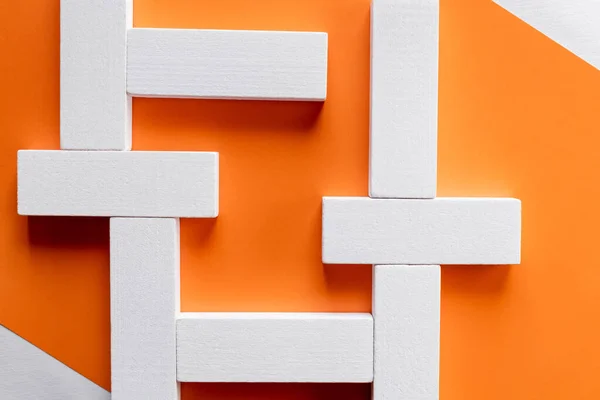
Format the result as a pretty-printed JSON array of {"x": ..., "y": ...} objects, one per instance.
[
  {"x": 574, "y": 24},
  {"x": 144, "y": 302},
  {"x": 360, "y": 230},
  {"x": 121, "y": 184},
  {"x": 26, "y": 372},
  {"x": 223, "y": 64},
  {"x": 406, "y": 311},
  {"x": 275, "y": 347},
  {"x": 95, "y": 111},
  {"x": 404, "y": 98}
]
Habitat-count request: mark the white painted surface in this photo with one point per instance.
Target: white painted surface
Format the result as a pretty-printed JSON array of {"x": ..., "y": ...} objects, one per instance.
[
  {"x": 116, "y": 183},
  {"x": 144, "y": 302},
  {"x": 95, "y": 111},
  {"x": 26, "y": 372},
  {"x": 224, "y": 64},
  {"x": 574, "y": 24},
  {"x": 360, "y": 230},
  {"x": 406, "y": 311},
  {"x": 275, "y": 347},
  {"x": 404, "y": 98}
]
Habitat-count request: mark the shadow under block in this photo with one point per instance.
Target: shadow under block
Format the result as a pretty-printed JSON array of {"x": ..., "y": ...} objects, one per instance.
[
  {"x": 95, "y": 111},
  {"x": 573, "y": 24},
  {"x": 275, "y": 347},
  {"x": 26, "y": 372},
  {"x": 360, "y": 230},
  {"x": 406, "y": 312},
  {"x": 118, "y": 183},
  {"x": 227, "y": 64},
  {"x": 404, "y": 98},
  {"x": 144, "y": 303}
]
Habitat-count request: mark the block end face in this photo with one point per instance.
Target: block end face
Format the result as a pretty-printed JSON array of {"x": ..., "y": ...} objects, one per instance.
[
  {"x": 412, "y": 191},
  {"x": 213, "y": 214},
  {"x": 515, "y": 258},
  {"x": 118, "y": 139},
  {"x": 75, "y": 146},
  {"x": 217, "y": 184},
  {"x": 319, "y": 97}
]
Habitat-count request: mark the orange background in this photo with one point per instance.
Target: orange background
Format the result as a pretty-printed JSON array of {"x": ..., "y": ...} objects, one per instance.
[{"x": 518, "y": 116}]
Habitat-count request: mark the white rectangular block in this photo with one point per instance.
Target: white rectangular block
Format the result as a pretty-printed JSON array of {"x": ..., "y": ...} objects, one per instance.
[
  {"x": 144, "y": 303},
  {"x": 27, "y": 372},
  {"x": 404, "y": 98},
  {"x": 360, "y": 230},
  {"x": 118, "y": 184},
  {"x": 406, "y": 311},
  {"x": 224, "y": 64},
  {"x": 274, "y": 347},
  {"x": 95, "y": 111}
]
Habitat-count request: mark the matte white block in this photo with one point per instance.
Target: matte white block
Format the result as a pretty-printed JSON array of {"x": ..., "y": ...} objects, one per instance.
[
  {"x": 95, "y": 111},
  {"x": 404, "y": 98},
  {"x": 406, "y": 311},
  {"x": 274, "y": 347},
  {"x": 360, "y": 230},
  {"x": 118, "y": 184},
  {"x": 144, "y": 302},
  {"x": 574, "y": 24},
  {"x": 26, "y": 372},
  {"x": 223, "y": 64}
]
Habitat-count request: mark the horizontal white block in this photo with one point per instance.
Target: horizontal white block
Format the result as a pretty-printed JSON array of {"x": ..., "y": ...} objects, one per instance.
[
  {"x": 223, "y": 64},
  {"x": 406, "y": 311},
  {"x": 360, "y": 230},
  {"x": 274, "y": 347},
  {"x": 144, "y": 302},
  {"x": 573, "y": 24},
  {"x": 95, "y": 111},
  {"x": 26, "y": 372},
  {"x": 404, "y": 98},
  {"x": 118, "y": 184}
]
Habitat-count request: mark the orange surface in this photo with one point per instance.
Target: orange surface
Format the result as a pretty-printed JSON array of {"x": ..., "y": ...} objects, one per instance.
[{"x": 518, "y": 117}]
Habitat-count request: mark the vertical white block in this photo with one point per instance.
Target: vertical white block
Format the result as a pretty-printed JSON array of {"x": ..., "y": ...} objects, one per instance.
[
  {"x": 144, "y": 303},
  {"x": 95, "y": 111},
  {"x": 404, "y": 98},
  {"x": 406, "y": 313},
  {"x": 28, "y": 373}
]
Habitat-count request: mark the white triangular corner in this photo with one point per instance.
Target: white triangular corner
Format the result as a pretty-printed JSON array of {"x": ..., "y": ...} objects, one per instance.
[
  {"x": 26, "y": 372},
  {"x": 574, "y": 24}
]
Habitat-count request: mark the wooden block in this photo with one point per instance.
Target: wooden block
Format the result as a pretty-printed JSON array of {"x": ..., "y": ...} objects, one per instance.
[
  {"x": 406, "y": 312},
  {"x": 360, "y": 230},
  {"x": 274, "y": 347},
  {"x": 144, "y": 302},
  {"x": 95, "y": 111},
  {"x": 573, "y": 24},
  {"x": 404, "y": 98},
  {"x": 223, "y": 64},
  {"x": 26, "y": 372},
  {"x": 121, "y": 184}
]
